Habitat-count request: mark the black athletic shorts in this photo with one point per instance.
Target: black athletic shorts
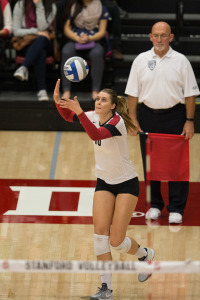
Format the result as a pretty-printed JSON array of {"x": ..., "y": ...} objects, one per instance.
[{"x": 127, "y": 187}]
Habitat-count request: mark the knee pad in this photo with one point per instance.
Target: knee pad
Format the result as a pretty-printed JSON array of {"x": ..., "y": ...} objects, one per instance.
[
  {"x": 124, "y": 247},
  {"x": 101, "y": 244}
]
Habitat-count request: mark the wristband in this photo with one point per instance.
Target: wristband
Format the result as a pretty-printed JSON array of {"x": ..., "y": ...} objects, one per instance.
[{"x": 190, "y": 119}]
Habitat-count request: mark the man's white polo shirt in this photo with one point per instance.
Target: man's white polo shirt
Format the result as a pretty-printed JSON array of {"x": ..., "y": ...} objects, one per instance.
[{"x": 161, "y": 82}]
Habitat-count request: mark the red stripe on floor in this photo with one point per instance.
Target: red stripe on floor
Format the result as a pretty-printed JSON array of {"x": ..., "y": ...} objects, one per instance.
[{"x": 67, "y": 202}]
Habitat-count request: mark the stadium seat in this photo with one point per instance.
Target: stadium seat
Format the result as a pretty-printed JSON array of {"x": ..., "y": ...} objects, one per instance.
[{"x": 20, "y": 59}]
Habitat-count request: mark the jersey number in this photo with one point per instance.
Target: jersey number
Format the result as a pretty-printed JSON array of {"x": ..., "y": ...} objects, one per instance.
[{"x": 98, "y": 143}]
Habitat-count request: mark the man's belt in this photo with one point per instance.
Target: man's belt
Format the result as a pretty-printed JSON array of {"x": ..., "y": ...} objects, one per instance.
[{"x": 162, "y": 110}]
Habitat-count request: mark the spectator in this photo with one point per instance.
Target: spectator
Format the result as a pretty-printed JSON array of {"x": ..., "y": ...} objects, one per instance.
[
  {"x": 163, "y": 81},
  {"x": 114, "y": 28},
  {"x": 5, "y": 27},
  {"x": 37, "y": 18},
  {"x": 85, "y": 22}
]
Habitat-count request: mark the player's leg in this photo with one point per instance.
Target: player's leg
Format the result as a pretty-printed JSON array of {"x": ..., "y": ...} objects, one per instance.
[
  {"x": 124, "y": 207},
  {"x": 103, "y": 207}
]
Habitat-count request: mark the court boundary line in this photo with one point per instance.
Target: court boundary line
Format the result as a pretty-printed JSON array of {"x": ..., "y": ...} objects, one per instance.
[{"x": 55, "y": 155}]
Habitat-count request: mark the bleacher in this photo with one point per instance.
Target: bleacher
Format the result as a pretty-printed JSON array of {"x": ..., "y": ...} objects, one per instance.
[{"x": 19, "y": 108}]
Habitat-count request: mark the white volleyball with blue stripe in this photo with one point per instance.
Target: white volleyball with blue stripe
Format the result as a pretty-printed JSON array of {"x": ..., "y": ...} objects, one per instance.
[{"x": 76, "y": 69}]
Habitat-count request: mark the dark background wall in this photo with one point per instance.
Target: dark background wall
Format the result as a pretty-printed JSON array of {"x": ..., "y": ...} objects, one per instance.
[{"x": 19, "y": 108}]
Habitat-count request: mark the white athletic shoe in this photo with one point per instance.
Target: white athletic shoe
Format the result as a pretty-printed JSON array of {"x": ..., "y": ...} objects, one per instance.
[
  {"x": 21, "y": 73},
  {"x": 175, "y": 218},
  {"x": 103, "y": 293},
  {"x": 150, "y": 256},
  {"x": 153, "y": 213},
  {"x": 42, "y": 95}
]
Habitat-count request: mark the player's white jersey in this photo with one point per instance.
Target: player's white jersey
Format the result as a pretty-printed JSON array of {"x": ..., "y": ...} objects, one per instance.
[{"x": 112, "y": 163}]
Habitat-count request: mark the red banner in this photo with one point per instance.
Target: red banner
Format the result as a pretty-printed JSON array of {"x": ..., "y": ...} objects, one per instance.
[{"x": 169, "y": 157}]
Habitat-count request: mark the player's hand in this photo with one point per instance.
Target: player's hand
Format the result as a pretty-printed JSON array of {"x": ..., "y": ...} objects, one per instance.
[
  {"x": 188, "y": 130},
  {"x": 56, "y": 94},
  {"x": 72, "y": 105}
]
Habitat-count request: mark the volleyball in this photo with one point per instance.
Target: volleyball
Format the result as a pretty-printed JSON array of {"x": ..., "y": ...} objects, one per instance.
[{"x": 76, "y": 69}]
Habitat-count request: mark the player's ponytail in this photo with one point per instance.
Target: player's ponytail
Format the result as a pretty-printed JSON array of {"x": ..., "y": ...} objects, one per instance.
[{"x": 121, "y": 108}]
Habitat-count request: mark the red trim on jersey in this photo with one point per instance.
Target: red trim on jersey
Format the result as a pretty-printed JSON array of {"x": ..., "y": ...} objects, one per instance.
[
  {"x": 94, "y": 133},
  {"x": 66, "y": 113},
  {"x": 114, "y": 120}
]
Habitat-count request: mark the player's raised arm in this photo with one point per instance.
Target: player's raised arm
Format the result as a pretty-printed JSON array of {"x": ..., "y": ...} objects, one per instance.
[
  {"x": 61, "y": 105},
  {"x": 56, "y": 94},
  {"x": 73, "y": 105}
]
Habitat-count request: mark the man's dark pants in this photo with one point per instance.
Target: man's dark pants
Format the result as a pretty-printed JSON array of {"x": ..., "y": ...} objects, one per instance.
[{"x": 168, "y": 122}]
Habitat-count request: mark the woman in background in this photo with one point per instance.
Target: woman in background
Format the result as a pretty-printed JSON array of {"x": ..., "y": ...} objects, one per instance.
[
  {"x": 35, "y": 17},
  {"x": 85, "y": 21}
]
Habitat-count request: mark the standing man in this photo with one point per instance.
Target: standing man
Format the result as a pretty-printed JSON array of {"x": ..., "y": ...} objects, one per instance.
[{"x": 163, "y": 82}]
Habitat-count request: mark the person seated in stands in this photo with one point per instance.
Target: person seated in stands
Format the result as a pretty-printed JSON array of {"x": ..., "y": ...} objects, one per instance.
[
  {"x": 114, "y": 28},
  {"x": 5, "y": 27},
  {"x": 85, "y": 24},
  {"x": 37, "y": 18}
]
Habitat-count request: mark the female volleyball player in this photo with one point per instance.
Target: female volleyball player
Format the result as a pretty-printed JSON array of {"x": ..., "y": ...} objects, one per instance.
[{"x": 117, "y": 188}]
